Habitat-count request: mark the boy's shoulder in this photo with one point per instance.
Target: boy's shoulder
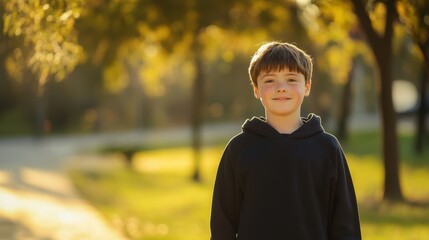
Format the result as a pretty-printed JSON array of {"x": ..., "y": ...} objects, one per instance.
[
  {"x": 242, "y": 139},
  {"x": 241, "y": 142},
  {"x": 327, "y": 140}
]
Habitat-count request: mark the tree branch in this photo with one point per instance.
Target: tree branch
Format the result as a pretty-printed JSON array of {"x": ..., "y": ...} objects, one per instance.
[
  {"x": 390, "y": 18},
  {"x": 373, "y": 38}
]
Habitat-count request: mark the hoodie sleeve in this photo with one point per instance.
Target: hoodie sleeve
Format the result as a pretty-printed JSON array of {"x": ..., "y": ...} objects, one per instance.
[
  {"x": 344, "y": 218},
  {"x": 226, "y": 200}
]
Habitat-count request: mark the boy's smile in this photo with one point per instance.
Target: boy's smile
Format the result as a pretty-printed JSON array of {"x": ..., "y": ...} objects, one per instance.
[
  {"x": 282, "y": 98},
  {"x": 281, "y": 92}
]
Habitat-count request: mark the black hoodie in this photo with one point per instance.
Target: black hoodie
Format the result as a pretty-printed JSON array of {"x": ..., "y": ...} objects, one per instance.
[{"x": 294, "y": 186}]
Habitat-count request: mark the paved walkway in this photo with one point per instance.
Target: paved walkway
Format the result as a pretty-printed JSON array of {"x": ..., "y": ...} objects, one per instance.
[{"x": 38, "y": 201}]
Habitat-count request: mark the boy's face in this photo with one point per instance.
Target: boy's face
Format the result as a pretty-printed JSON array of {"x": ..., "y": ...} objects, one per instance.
[{"x": 282, "y": 92}]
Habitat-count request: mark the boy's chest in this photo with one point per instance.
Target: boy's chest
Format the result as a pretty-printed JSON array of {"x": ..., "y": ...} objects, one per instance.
[{"x": 284, "y": 163}]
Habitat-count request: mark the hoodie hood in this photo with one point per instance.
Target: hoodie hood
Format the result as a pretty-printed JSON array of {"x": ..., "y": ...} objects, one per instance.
[{"x": 258, "y": 125}]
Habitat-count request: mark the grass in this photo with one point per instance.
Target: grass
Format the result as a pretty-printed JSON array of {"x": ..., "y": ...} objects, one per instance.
[{"x": 159, "y": 201}]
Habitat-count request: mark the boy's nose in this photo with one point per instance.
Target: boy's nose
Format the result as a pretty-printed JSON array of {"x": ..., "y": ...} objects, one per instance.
[{"x": 281, "y": 87}]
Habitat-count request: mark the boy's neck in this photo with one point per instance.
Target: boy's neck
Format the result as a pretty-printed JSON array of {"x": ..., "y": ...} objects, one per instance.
[{"x": 285, "y": 124}]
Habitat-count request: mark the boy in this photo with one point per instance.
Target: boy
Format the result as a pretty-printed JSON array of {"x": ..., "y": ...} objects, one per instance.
[{"x": 283, "y": 177}]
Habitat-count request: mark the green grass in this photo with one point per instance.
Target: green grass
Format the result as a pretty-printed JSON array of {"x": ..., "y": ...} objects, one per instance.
[
  {"x": 159, "y": 201},
  {"x": 14, "y": 123}
]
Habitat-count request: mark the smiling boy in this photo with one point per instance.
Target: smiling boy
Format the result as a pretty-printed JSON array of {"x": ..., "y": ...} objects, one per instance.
[{"x": 283, "y": 176}]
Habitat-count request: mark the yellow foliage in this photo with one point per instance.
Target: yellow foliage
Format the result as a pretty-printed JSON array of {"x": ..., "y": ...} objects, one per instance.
[
  {"x": 48, "y": 32},
  {"x": 339, "y": 64},
  {"x": 151, "y": 79},
  {"x": 115, "y": 77},
  {"x": 228, "y": 56},
  {"x": 163, "y": 32},
  {"x": 378, "y": 17},
  {"x": 14, "y": 65}
]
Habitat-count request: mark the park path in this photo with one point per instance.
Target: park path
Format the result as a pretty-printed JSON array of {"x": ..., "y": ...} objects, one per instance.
[{"x": 39, "y": 202}]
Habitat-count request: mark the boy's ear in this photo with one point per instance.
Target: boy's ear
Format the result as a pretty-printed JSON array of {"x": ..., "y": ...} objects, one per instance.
[
  {"x": 307, "y": 88},
  {"x": 255, "y": 91}
]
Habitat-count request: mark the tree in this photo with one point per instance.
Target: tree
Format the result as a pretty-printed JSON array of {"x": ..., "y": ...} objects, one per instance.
[
  {"x": 50, "y": 41},
  {"x": 413, "y": 15},
  {"x": 105, "y": 30},
  {"x": 381, "y": 46},
  {"x": 341, "y": 46},
  {"x": 205, "y": 13},
  {"x": 195, "y": 17},
  {"x": 346, "y": 102},
  {"x": 6, "y": 48}
]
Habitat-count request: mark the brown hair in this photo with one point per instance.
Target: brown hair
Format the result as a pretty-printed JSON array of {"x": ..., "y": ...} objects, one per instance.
[{"x": 277, "y": 56}]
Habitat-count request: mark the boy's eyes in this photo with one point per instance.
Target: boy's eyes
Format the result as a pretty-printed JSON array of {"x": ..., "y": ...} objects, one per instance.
[{"x": 291, "y": 80}]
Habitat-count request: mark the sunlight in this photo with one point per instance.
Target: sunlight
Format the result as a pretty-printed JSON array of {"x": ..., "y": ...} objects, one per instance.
[
  {"x": 37, "y": 211},
  {"x": 404, "y": 95},
  {"x": 45, "y": 180},
  {"x": 155, "y": 229},
  {"x": 159, "y": 161},
  {"x": 303, "y": 2},
  {"x": 4, "y": 177}
]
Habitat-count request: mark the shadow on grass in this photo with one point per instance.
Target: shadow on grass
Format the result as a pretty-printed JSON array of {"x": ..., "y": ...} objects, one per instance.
[
  {"x": 369, "y": 143},
  {"x": 380, "y": 219},
  {"x": 404, "y": 214}
]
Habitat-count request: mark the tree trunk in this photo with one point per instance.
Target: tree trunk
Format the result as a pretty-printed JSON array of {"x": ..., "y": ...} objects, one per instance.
[
  {"x": 136, "y": 94},
  {"x": 40, "y": 112},
  {"x": 423, "y": 108},
  {"x": 346, "y": 102},
  {"x": 392, "y": 187},
  {"x": 197, "y": 112},
  {"x": 381, "y": 46},
  {"x": 96, "y": 76}
]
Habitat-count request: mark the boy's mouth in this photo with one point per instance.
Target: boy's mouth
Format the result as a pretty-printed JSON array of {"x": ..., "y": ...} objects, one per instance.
[{"x": 282, "y": 98}]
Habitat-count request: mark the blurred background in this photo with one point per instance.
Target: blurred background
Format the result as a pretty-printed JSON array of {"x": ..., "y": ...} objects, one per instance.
[
  {"x": 170, "y": 77},
  {"x": 91, "y": 66}
]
